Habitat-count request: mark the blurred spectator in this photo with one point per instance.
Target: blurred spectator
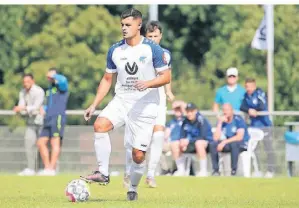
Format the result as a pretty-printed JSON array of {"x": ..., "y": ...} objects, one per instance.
[
  {"x": 31, "y": 98},
  {"x": 196, "y": 133},
  {"x": 254, "y": 101},
  {"x": 231, "y": 135},
  {"x": 173, "y": 133},
  {"x": 55, "y": 120},
  {"x": 231, "y": 93}
]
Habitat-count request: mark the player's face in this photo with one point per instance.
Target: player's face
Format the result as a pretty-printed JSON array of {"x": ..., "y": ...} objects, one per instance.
[
  {"x": 191, "y": 114},
  {"x": 250, "y": 87},
  {"x": 27, "y": 82},
  {"x": 232, "y": 80},
  {"x": 177, "y": 112},
  {"x": 227, "y": 110},
  {"x": 155, "y": 36},
  {"x": 130, "y": 27}
]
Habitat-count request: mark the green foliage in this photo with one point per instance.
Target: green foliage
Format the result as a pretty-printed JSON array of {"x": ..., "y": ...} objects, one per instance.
[{"x": 204, "y": 41}]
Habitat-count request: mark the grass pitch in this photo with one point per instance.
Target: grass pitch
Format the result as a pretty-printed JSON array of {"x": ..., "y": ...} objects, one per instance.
[{"x": 172, "y": 192}]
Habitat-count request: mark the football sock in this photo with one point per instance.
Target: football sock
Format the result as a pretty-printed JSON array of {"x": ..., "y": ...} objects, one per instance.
[{"x": 103, "y": 149}]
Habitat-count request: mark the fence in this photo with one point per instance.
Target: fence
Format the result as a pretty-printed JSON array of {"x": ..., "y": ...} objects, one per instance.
[{"x": 78, "y": 151}]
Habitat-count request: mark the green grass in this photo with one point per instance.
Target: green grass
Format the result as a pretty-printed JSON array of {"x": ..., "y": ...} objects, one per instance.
[{"x": 173, "y": 192}]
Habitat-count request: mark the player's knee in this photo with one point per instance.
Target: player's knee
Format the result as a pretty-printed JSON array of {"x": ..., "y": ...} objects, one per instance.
[
  {"x": 101, "y": 125},
  {"x": 40, "y": 143},
  {"x": 138, "y": 156}
]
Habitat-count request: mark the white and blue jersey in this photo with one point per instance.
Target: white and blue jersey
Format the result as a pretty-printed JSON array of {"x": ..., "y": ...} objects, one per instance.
[
  {"x": 258, "y": 101},
  {"x": 167, "y": 57},
  {"x": 133, "y": 63}
]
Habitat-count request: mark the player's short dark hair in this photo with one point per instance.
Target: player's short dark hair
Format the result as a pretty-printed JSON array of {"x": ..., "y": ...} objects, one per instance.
[
  {"x": 28, "y": 75},
  {"x": 152, "y": 26},
  {"x": 53, "y": 69},
  {"x": 131, "y": 13},
  {"x": 250, "y": 80}
]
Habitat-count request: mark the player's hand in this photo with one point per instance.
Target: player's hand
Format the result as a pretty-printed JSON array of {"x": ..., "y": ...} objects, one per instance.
[
  {"x": 89, "y": 112},
  {"x": 221, "y": 146},
  {"x": 141, "y": 85},
  {"x": 252, "y": 112},
  {"x": 170, "y": 96},
  {"x": 222, "y": 119},
  {"x": 18, "y": 109},
  {"x": 183, "y": 144}
]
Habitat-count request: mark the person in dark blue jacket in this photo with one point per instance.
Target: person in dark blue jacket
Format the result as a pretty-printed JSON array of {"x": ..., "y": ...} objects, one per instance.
[
  {"x": 255, "y": 100},
  {"x": 54, "y": 122},
  {"x": 231, "y": 135},
  {"x": 196, "y": 133}
]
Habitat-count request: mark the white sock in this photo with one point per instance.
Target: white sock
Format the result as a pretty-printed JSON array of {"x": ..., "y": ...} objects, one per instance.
[
  {"x": 137, "y": 171},
  {"x": 102, "y": 147},
  {"x": 180, "y": 163},
  {"x": 155, "y": 152},
  {"x": 203, "y": 163},
  {"x": 128, "y": 160}
]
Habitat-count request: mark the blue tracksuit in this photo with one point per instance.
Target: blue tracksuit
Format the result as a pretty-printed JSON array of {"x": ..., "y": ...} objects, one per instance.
[
  {"x": 257, "y": 101},
  {"x": 57, "y": 97}
]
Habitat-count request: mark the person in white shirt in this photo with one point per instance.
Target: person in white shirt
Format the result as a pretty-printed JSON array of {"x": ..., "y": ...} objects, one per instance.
[
  {"x": 153, "y": 31},
  {"x": 31, "y": 99},
  {"x": 136, "y": 61}
]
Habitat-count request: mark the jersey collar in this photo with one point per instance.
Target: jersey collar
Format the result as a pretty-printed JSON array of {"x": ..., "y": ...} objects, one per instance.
[{"x": 141, "y": 41}]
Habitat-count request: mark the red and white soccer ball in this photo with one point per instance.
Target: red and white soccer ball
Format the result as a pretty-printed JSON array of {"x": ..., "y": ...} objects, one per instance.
[{"x": 77, "y": 191}]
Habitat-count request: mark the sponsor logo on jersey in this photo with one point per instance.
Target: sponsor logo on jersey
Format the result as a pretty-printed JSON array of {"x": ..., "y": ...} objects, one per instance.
[
  {"x": 131, "y": 70},
  {"x": 142, "y": 59}
]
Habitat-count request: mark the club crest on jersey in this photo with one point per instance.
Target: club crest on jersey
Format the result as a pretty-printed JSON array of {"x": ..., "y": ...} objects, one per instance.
[
  {"x": 142, "y": 59},
  {"x": 131, "y": 70},
  {"x": 254, "y": 101},
  {"x": 164, "y": 58}
]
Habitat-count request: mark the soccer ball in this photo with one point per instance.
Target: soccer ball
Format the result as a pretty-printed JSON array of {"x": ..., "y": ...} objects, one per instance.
[{"x": 77, "y": 191}]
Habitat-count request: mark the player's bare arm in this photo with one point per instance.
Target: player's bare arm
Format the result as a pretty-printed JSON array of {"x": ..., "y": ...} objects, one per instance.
[
  {"x": 163, "y": 78},
  {"x": 103, "y": 90}
]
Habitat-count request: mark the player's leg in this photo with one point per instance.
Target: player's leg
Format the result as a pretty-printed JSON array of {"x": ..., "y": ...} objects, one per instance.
[
  {"x": 111, "y": 117},
  {"x": 57, "y": 131},
  {"x": 129, "y": 160},
  {"x": 214, "y": 157},
  {"x": 234, "y": 148},
  {"x": 42, "y": 144},
  {"x": 201, "y": 146},
  {"x": 177, "y": 157},
  {"x": 155, "y": 152},
  {"x": 30, "y": 142},
  {"x": 139, "y": 129}
]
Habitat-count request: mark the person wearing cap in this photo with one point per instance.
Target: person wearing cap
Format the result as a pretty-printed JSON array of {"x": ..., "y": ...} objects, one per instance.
[
  {"x": 173, "y": 132},
  {"x": 196, "y": 133},
  {"x": 231, "y": 135},
  {"x": 231, "y": 93},
  {"x": 255, "y": 100}
]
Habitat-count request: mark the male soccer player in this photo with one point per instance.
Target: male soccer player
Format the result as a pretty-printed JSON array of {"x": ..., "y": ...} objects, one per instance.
[
  {"x": 255, "y": 100},
  {"x": 54, "y": 122},
  {"x": 153, "y": 31},
  {"x": 231, "y": 135},
  {"x": 136, "y": 60},
  {"x": 196, "y": 133}
]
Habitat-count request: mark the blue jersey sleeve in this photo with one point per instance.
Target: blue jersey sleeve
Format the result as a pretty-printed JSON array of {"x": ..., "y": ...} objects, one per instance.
[
  {"x": 218, "y": 97},
  {"x": 159, "y": 58},
  {"x": 240, "y": 123},
  {"x": 61, "y": 82},
  {"x": 183, "y": 130},
  {"x": 111, "y": 67}
]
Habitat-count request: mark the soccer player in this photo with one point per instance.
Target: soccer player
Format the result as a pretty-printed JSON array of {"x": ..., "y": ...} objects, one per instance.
[
  {"x": 136, "y": 60},
  {"x": 196, "y": 133},
  {"x": 231, "y": 135},
  {"x": 54, "y": 122},
  {"x": 153, "y": 31},
  {"x": 255, "y": 100}
]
